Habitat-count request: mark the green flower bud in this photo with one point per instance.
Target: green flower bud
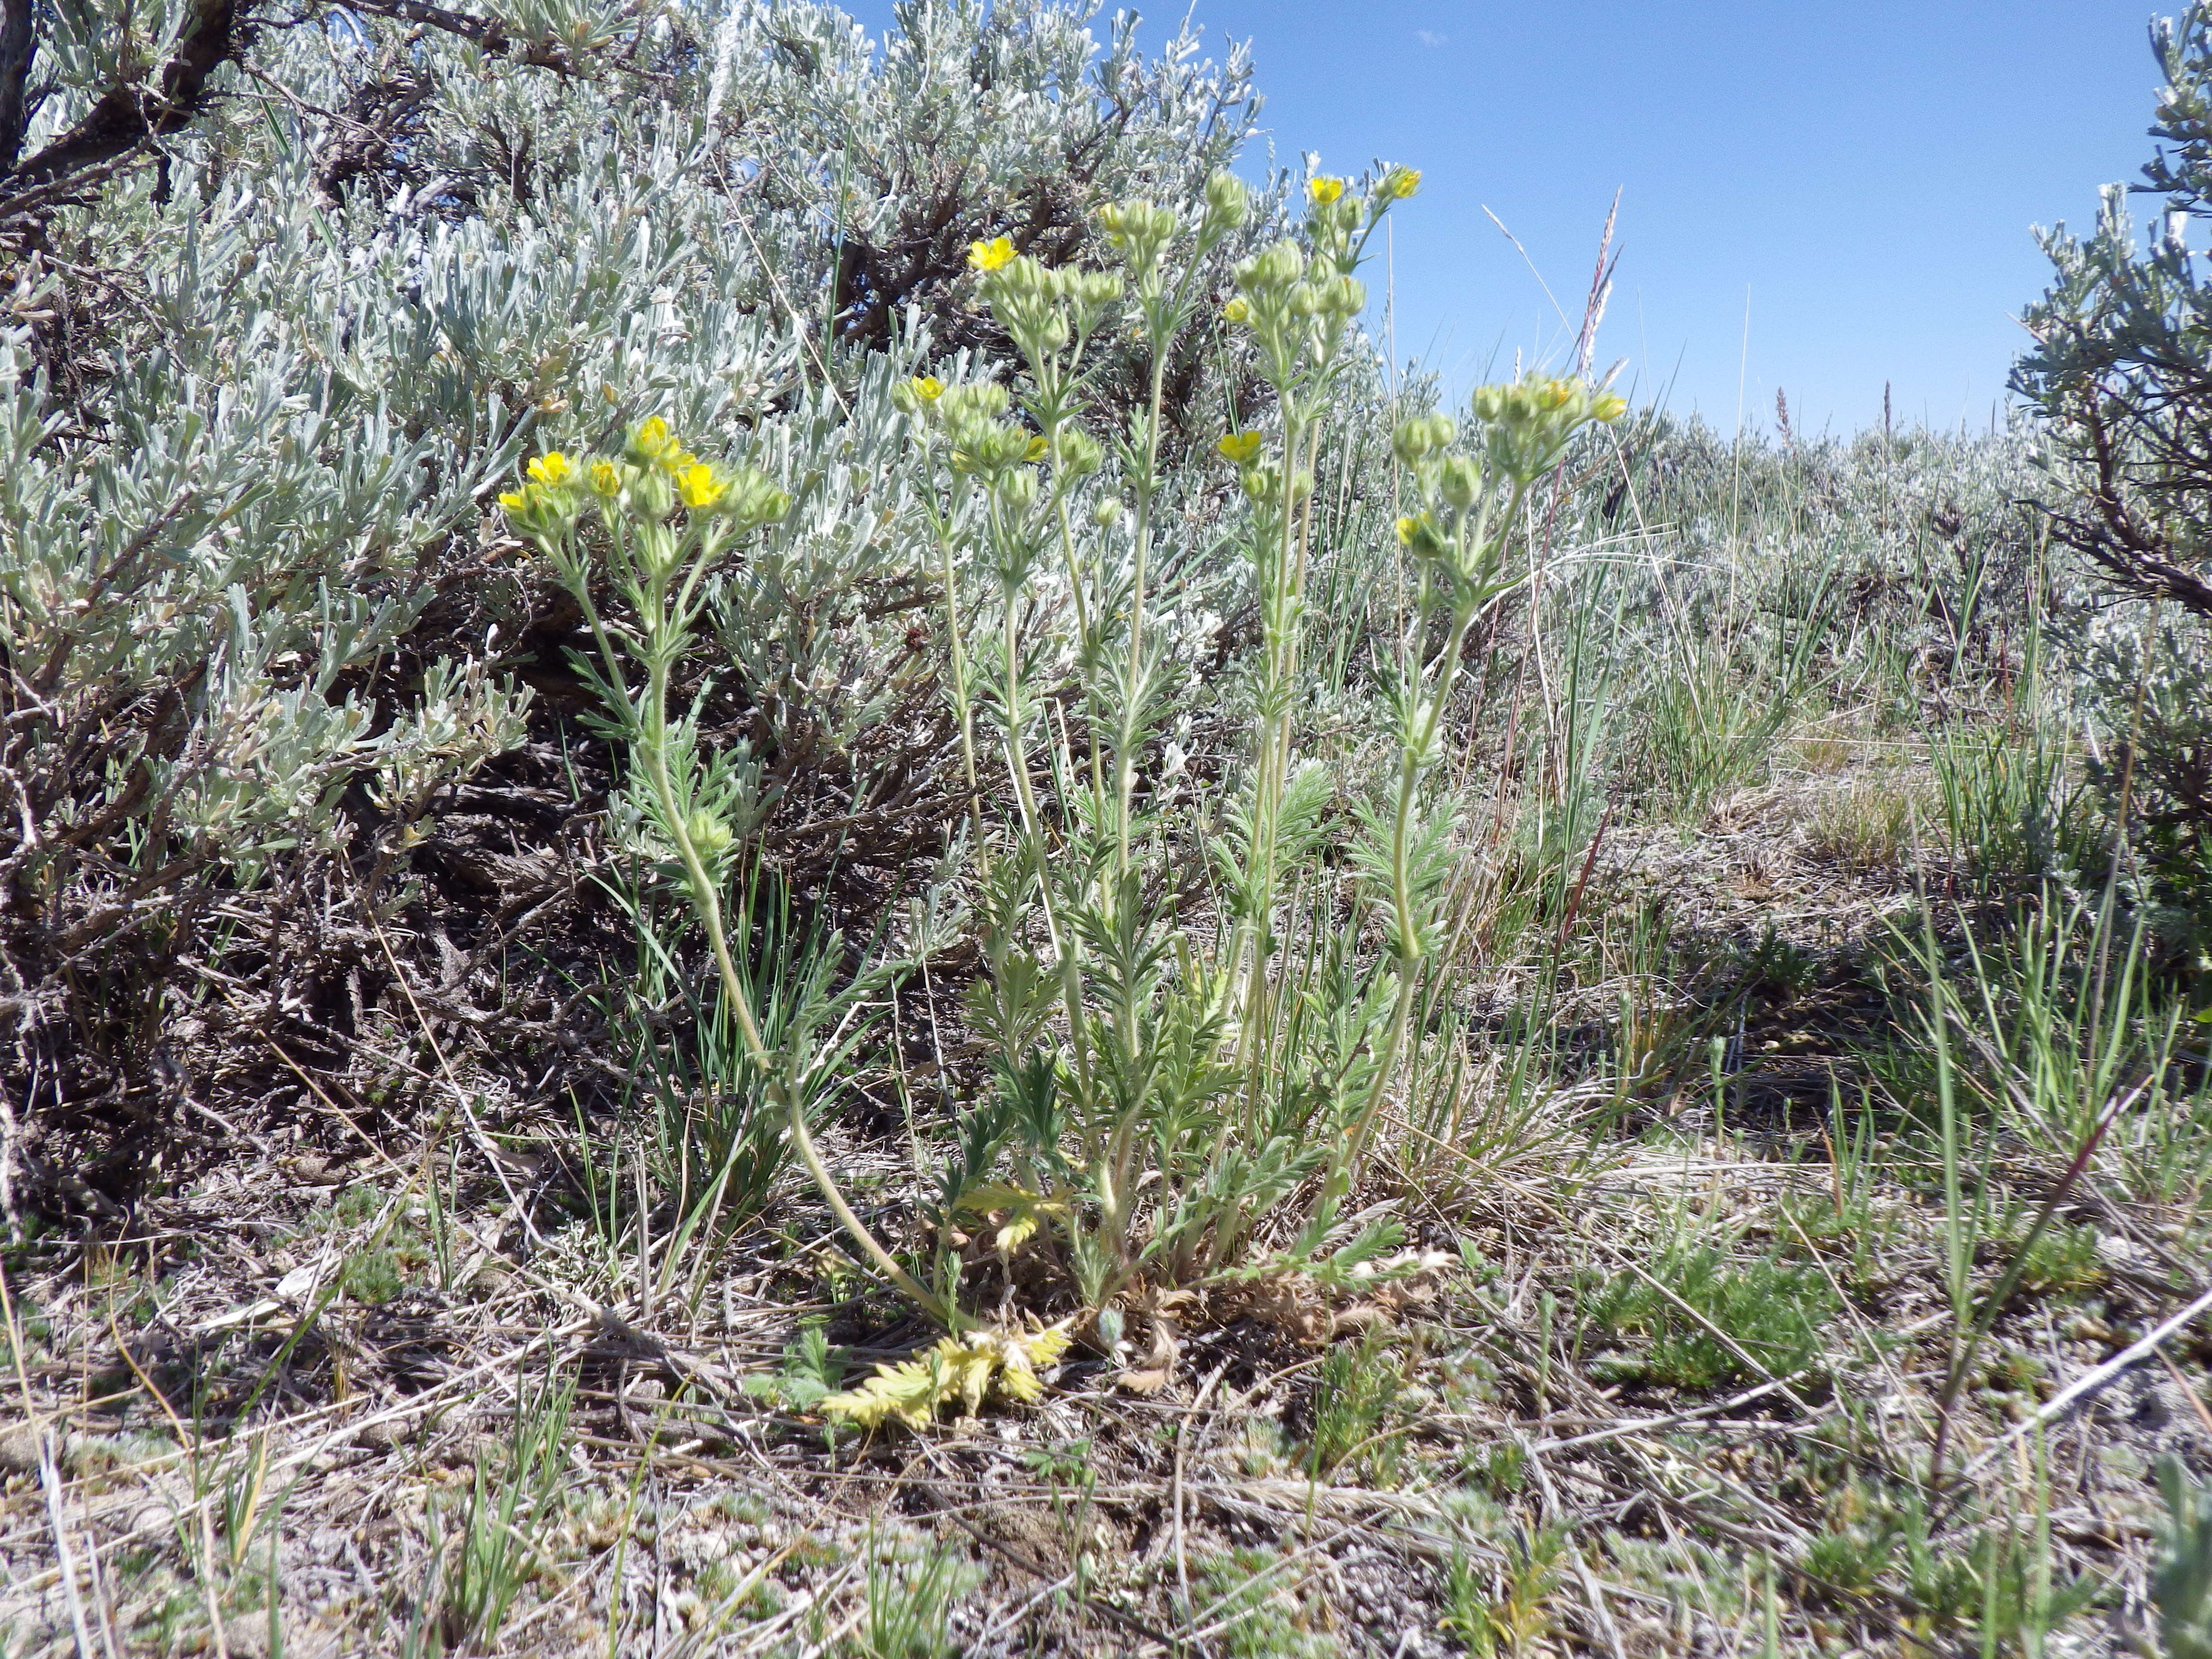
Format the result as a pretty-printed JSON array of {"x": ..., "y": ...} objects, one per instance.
[
  {"x": 1418, "y": 436},
  {"x": 752, "y": 499},
  {"x": 709, "y": 837},
  {"x": 1420, "y": 536},
  {"x": 987, "y": 398},
  {"x": 656, "y": 551},
  {"x": 1095, "y": 291},
  {"x": 1078, "y": 454},
  {"x": 1106, "y": 512},
  {"x": 1397, "y": 185},
  {"x": 652, "y": 494},
  {"x": 537, "y": 511},
  {"x": 1139, "y": 231},
  {"x": 1227, "y": 201},
  {"x": 1272, "y": 271},
  {"x": 1460, "y": 481},
  {"x": 1016, "y": 488},
  {"x": 987, "y": 447}
]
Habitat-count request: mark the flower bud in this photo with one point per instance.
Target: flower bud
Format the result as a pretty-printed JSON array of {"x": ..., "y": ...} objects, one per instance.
[
  {"x": 752, "y": 499},
  {"x": 1095, "y": 291},
  {"x": 1420, "y": 536},
  {"x": 536, "y": 511},
  {"x": 1227, "y": 201},
  {"x": 1106, "y": 512},
  {"x": 656, "y": 551},
  {"x": 1078, "y": 454},
  {"x": 1018, "y": 489},
  {"x": 1420, "y": 435},
  {"x": 709, "y": 837},
  {"x": 1398, "y": 184},
  {"x": 649, "y": 441},
  {"x": 1272, "y": 270},
  {"x": 1459, "y": 480},
  {"x": 983, "y": 398},
  {"x": 1139, "y": 230},
  {"x": 913, "y": 396},
  {"x": 652, "y": 494}
]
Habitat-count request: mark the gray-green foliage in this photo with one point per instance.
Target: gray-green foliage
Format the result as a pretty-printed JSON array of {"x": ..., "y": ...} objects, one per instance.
[
  {"x": 259, "y": 612},
  {"x": 2121, "y": 377},
  {"x": 2120, "y": 371}
]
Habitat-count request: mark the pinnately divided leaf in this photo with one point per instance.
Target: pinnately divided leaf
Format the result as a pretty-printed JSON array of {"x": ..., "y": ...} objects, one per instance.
[{"x": 969, "y": 1368}]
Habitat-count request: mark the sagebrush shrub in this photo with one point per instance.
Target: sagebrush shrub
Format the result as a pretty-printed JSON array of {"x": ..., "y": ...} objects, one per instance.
[{"x": 264, "y": 626}]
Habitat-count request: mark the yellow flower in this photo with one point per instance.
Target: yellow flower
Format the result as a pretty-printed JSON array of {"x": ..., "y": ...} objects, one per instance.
[
  {"x": 1036, "y": 451},
  {"x": 1324, "y": 191},
  {"x": 1235, "y": 311},
  {"x": 699, "y": 485},
  {"x": 651, "y": 441},
  {"x": 1608, "y": 406},
  {"x": 604, "y": 478},
  {"x": 927, "y": 387},
  {"x": 1238, "y": 447},
  {"x": 552, "y": 468},
  {"x": 513, "y": 503},
  {"x": 1406, "y": 529},
  {"x": 994, "y": 255},
  {"x": 1399, "y": 183}
]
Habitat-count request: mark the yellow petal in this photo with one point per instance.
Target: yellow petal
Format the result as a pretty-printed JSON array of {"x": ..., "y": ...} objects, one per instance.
[{"x": 699, "y": 486}]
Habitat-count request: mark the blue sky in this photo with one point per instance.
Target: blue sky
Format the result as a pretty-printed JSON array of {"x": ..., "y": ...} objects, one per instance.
[{"x": 1865, "y": 174}]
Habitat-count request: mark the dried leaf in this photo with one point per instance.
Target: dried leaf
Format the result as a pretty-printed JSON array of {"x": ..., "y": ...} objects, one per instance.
[{"x": 968, "y": 1368}]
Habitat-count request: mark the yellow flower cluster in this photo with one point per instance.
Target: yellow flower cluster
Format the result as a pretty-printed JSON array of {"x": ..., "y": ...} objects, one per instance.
[{"x": 655, "y": 474}]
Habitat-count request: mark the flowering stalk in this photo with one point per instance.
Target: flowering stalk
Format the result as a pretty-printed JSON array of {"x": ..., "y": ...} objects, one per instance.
[
  {"x": 1298, "y": 303},
  {"x": 1457, "y": 544},
  {"x": 658, "y": 568}
]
